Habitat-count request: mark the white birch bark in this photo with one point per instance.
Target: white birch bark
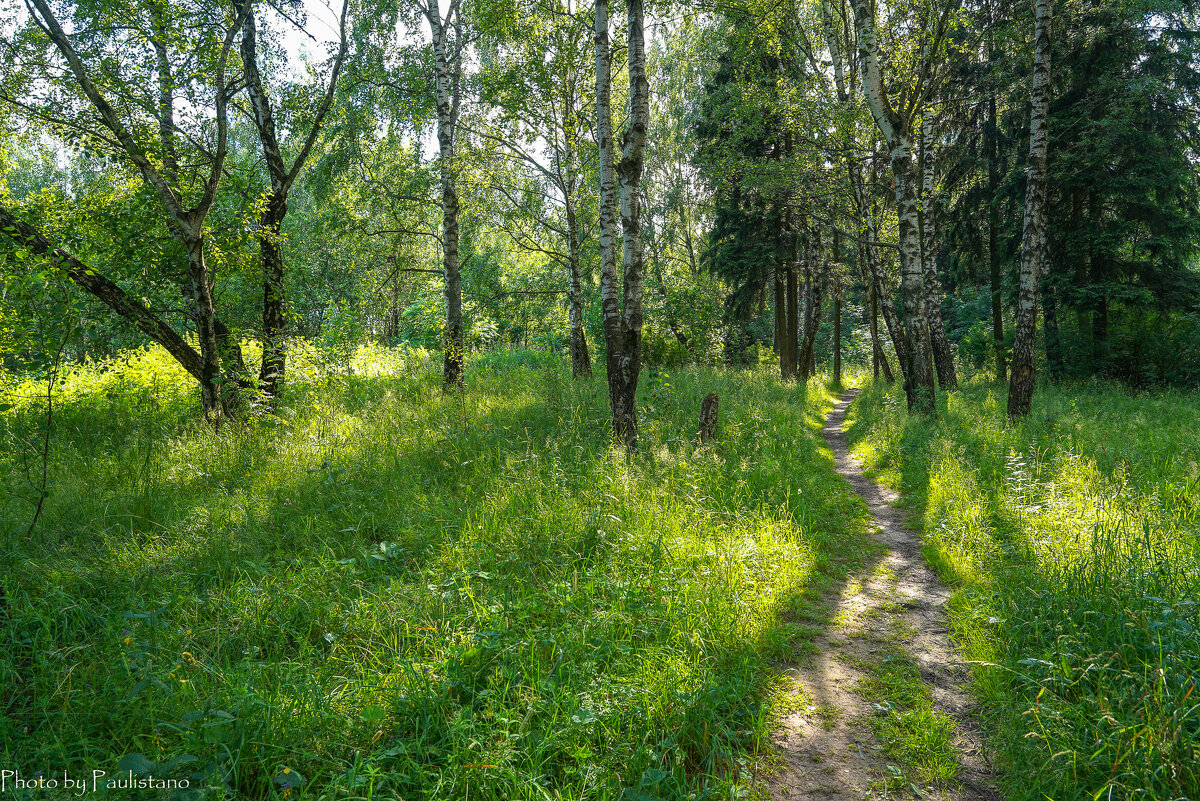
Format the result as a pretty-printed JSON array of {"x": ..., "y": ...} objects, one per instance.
[
  {"x": 943, "y": 356},
  {"x": 1033, "y": 234},
  {"x": 447, "y": 73},
  {"x": 897, "y": 133}
]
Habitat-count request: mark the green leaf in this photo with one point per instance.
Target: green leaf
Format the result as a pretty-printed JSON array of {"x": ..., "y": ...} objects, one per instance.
[
  {"x": 137, "y": 763},
  {"x": 373, "y": 714}
]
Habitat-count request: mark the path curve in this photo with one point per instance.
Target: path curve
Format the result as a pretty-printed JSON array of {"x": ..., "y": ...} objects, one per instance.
[{"x": 828, "y": 750}]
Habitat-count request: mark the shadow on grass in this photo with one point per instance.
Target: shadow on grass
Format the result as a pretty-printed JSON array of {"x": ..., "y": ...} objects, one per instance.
[{"x": 445, "y": 594}]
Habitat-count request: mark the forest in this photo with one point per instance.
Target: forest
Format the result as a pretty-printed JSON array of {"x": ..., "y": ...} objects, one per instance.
[{"x": 575, "y": 399}]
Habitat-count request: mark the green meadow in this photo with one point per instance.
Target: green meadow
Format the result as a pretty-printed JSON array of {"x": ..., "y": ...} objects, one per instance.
[{"x": 380, "y": 591}]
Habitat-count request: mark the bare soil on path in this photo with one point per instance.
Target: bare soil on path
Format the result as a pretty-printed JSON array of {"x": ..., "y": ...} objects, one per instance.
[{"x": 828, "y": 749}]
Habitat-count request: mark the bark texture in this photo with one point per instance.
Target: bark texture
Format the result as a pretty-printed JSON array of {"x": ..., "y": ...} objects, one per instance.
[
  {"x": 186, "y": 223},
  {"x": 447, "y": 42},
  {"x": 943, "y": 356},
  {"x": 1033, "y": 229},
  {"x": 622, "y": 304},
  {"x": 897, "y": 133}
]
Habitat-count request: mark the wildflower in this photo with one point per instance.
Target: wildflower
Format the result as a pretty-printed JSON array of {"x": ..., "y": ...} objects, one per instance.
[{"x": 187, "y": 657}]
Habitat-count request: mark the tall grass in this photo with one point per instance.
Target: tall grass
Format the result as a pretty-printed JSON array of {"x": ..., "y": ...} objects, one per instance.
[
  {"x": 1072, "y": 542},
  {"x": 384, "y": 592}
]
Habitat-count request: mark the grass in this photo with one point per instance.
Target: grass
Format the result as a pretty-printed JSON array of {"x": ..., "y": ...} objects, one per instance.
[
  {"x": 1071, "y": 542},
  {"x": 382, "y": 592}
]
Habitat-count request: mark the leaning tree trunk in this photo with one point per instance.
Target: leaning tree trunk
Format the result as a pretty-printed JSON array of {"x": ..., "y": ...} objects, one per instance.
[
  {"x": 897, "y": 133},
  {"x": 1033, "y": 234},
  {"x": 943, "y": 357}
]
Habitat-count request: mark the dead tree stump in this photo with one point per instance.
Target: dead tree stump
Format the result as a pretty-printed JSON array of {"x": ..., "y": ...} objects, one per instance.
[{"x": 708, "y": 416}]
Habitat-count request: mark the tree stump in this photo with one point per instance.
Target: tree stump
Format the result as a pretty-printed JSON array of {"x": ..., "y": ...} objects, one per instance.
[{"x": 708, "y": 416}]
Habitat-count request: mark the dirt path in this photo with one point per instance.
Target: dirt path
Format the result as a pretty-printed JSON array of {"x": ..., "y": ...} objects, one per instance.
[{"x": 893, "y": 607}]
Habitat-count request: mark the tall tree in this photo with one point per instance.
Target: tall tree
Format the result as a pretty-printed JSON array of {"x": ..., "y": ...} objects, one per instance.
[
  {"x": 537, "y": 83},
  {"x": 449, "y": 40},
  {"x": 943, "y": 356},
  {"x": 142, "y": 128},
  {"x": 896, "y": 123},
  {"x": 1033, "y": 239},
  {"x": 281, "y": 178},
  {"x": 621, "y": 303}
]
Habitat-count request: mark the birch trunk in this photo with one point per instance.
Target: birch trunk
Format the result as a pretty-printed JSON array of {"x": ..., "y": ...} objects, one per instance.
[
  {"x": 943, "y": 356},
  {"x": 623, "y": 317},
  {"x": 581, "y": 360},
  {"x": 447, "y": 69},
  {"x": 874, "y": 274},
  {"x": 897, "y": 132},
  {"x": 1033, "y": 234},
  {"x": 274, "y": 356}
]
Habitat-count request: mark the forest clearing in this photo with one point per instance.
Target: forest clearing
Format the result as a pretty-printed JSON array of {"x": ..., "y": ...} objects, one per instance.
[{"x": 468, "y": 400}]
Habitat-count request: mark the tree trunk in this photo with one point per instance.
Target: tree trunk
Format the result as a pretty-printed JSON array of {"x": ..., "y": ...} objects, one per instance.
[
  {"x": 876, "y": 277},
  {"x": 274, "y": 356},
  {"x": 792, "y": 331},
  {"x": 897, "y": 133},
  {"x": 623, "y": 318},
  {"x": 993, "y": 242},
  {"x": 816, "y": 279},
  {"x": 581, "y": 360},
  {"x": 1054, "y": 356},
  {"x": 943, "y": 356},
  {"x": 780, "y": 315},
  {"x": 1033, "y": 235},
  {"x": 105, "y": 290},
  {"x": 199, "y": 304},
  {"x": 837, "y": 334},
  {"x": 920, "y": 372},
  {"x": 446, "y": 69}
]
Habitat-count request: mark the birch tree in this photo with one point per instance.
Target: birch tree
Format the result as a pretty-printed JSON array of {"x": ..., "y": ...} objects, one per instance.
[
  {"x": 943, "y": 357},
  {"x": 895, "y": 121},
  {"x": 541, "y": 96},
  {"x": 449, "y": 41},
  {"x": 621, "y": 302},
  {"x": 98, "y": 92},
  {"x": 281, "y": 178},
  {"x": 1033, "y": 235}
]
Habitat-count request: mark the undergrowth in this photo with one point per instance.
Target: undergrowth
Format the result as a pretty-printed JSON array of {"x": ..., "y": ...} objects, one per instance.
[
  {"x": 383, "y": 592},
  {"x": 1071, "y": 542}
]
